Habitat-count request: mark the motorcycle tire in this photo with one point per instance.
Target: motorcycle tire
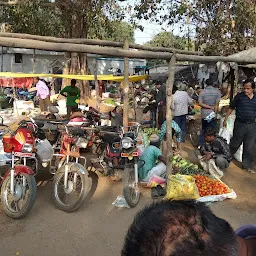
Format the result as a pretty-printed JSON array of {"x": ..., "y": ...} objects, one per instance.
[
  {"x": 86, "y": 183},
  {"x": 30, "y": 202},
  {"x": 130, "y": 192}
]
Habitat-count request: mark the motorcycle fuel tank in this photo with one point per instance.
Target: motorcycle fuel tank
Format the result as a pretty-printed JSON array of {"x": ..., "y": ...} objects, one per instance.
[{"x": 14, "y": 143}]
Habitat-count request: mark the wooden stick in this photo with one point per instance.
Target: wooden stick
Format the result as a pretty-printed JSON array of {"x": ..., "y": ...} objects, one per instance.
[
  {"x": 169, "y": 87},
  {"x": 96, "y": 42},
  {"x": 126, "y": 87},
  {"x": 108, "y": 51}
]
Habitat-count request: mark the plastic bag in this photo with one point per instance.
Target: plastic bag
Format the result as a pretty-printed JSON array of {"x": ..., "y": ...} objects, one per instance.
[
  {"x": 211, "y": 167},
  {"x": 224, "y": 133},
  {"x": 239, "y": 154},
  {"x": 182, "y": 187},
  {"x": 44, "y": 150},
  {"x": 230, "y": 127},
  {"x": 120, "y": 202},
  {"x": 156, "y": 180}
]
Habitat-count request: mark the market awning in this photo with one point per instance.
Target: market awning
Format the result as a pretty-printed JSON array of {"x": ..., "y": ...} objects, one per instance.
[{"x": 78, "y": 77}]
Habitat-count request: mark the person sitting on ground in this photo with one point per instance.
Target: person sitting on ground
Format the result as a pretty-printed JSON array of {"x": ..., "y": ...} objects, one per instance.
[
  {"x": 180, "y": 228},
  {"x": 150, "y": 156},
  {"x": 215, "y": 147}
]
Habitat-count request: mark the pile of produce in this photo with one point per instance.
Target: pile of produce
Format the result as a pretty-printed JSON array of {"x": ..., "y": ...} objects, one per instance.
[
  {"x": 147, "y": 132},
  {"x": 187, "y": 168},
  {"x": 110, "y": 101},
  {"x": 150, "y": 131},
  {"x": 208, "y": 186}
]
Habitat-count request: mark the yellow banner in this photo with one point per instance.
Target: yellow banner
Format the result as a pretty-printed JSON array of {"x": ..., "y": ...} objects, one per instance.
[{"x": 78, "y": 77}]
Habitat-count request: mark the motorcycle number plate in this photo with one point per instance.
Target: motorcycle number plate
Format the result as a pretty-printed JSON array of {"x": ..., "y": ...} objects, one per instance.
[
  {"x": 129, "y": 155},
  {"x": 20, "y": 154}
]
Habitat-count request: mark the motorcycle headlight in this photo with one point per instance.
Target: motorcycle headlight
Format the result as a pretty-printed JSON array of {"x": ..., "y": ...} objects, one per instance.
[
  {"x": 27, "y": 148},
  {"x": 127, "y": 143}
]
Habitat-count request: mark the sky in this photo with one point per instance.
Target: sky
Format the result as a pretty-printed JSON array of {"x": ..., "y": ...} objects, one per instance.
[{"x": 151, "y": 29}]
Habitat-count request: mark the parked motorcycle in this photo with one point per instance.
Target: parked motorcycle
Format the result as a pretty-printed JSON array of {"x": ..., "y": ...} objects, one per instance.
[
  {"x": 71, "y": 183},
  {"x": 18, "y": 185},
  {"x": 119, "y": 157}
]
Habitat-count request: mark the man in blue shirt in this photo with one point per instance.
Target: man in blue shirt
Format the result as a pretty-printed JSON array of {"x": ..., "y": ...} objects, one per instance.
[
  {"x": 151, "y": 155},
  {"x": 245, "y": 124}
]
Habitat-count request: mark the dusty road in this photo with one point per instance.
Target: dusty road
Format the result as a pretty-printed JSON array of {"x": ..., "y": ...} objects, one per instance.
[{"x": 99, "y": 228}]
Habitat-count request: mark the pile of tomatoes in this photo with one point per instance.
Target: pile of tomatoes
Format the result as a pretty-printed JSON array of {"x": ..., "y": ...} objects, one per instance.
[{"x": 207, "y": 186}]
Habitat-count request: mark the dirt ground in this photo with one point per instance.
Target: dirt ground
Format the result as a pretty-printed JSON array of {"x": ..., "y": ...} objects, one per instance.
[{"x": 99, "y": 228}]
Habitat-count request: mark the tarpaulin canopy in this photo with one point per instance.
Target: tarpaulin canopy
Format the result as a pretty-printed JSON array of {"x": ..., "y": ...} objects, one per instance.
[{"x": 78, "y": 77}]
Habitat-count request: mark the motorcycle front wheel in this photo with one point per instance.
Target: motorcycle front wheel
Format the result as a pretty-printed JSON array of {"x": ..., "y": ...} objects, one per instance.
[
  {"x": 131, "y": 190},
  {"x": 71, "y": 198},
  {"x": 19, "y": 204}
]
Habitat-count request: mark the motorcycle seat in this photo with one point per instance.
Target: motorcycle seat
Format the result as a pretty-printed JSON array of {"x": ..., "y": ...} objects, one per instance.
[{"x": 111, "y": 138}]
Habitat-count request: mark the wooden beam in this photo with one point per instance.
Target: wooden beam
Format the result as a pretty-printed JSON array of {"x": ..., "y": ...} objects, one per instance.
[
  {"x": 96, "y": 42},
  {"x": 126, "y": 87},
  {"x": 108, "y": 51},
  {"x": 12, "y": 3},
  {"x": 169, "y": 87}
]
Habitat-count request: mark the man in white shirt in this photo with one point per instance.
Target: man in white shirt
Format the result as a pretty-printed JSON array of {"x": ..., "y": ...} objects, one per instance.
[{"x": 181, "y": 102}]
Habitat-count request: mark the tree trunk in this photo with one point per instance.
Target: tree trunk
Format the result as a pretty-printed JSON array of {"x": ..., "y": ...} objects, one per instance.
[{"x": 77, "y": 63}]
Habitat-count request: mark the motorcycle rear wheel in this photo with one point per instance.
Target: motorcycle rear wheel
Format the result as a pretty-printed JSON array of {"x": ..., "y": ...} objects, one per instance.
[
  {"x": 14, "y": 209},
  {"x": 131, "y": 192},
  {"x": 61, "y": 202}
]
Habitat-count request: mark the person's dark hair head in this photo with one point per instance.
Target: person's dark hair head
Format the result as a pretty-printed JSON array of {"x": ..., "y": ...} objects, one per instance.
[
  {"x": 210, "y": 131},
  {"x": 179, "y": 228},
  {"x": 73, "y": 82},
  {"x": 210, "y": 134},
  {"x": 249, "y": 80},
  {"x": 36, "y": 79},
  {"x": 158, "y": 82},
  {"x": 209, "y": 82}
]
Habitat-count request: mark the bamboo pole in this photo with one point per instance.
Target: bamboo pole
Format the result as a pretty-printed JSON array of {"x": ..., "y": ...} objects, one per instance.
[
  {"x": 108, "y": 51},
  {"x": 96, "y": 42},
  {"x": 169, "y": 87},
  {"x": 126, "y": 87}
]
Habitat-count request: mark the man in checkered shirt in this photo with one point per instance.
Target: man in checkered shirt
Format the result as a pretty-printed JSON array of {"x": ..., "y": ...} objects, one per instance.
[{"x": 209, "y": 100}]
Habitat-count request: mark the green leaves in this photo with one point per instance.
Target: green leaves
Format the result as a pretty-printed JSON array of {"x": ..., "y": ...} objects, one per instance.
[{"x": 221, "y": 27}]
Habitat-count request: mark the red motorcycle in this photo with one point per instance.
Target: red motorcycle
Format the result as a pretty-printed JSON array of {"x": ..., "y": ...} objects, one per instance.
[{"x": 18, "y": 185}]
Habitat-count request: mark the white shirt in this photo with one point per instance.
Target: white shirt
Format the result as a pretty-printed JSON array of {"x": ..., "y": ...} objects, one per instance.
[{"x": 180, "y": 103}]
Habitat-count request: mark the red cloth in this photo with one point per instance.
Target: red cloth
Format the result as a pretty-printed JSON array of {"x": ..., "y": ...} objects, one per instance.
[{"x": 16, "y": 82}]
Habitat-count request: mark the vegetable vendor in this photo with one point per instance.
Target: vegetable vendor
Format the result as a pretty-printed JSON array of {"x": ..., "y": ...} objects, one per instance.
[
  {"x": 151, "y": 155},
  {"x": 215, "y": 147}
]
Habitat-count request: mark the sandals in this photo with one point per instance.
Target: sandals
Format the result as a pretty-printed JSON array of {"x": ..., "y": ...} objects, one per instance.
[
  {"x": 250, "y": 171},
  {"x": 157, "y": 192},
  {"x": 154, "y": 193}
]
